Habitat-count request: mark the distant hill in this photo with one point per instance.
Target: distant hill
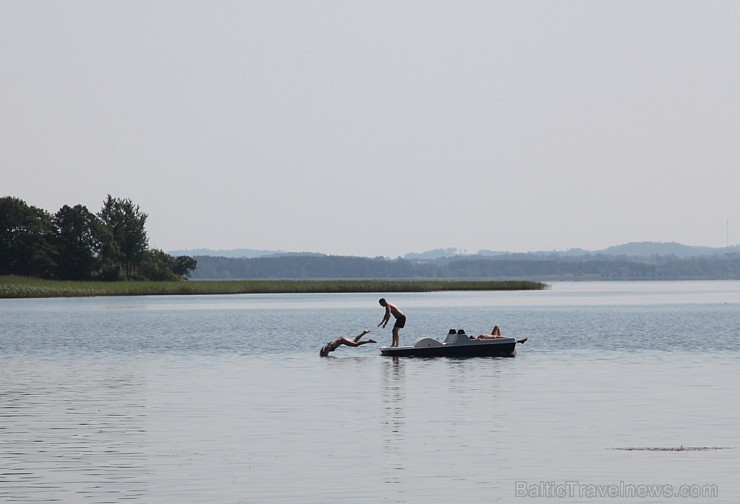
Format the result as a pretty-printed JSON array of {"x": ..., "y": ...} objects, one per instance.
[
  {"x": 226, "y": 253},
  {"x": 432, "y": 254},
  {"x": 643, "y": 249},
  {"x": 633, "y": 249}
]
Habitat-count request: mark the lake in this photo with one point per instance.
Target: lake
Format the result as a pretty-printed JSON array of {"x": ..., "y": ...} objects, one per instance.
[{"x": 624, "y": 392}]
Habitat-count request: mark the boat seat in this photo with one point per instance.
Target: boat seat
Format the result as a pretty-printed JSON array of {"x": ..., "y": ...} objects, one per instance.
[
  {"x": 455, "y": 336},
  {"x": 427, "y": 342}
]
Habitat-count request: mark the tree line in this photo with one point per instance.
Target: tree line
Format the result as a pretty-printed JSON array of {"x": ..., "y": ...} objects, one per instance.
[
  {"x": 474, "y": 267},
  {"x": 76, "y": 244}
]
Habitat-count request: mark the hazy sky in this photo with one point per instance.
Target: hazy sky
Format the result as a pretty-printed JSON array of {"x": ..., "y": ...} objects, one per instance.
[{"x": 380, "y": 127}]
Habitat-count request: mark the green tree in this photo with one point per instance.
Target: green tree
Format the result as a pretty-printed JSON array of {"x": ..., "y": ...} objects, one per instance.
[
  {"x": 78, "y": 242},
  {"x": 25, "y": 232},
  {"x": 157, "y": 265},
  {"x": 184, "y": 266},
  {"x": 125, "y": 238}
]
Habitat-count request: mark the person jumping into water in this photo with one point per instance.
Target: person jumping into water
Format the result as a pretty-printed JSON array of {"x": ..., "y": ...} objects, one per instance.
[{"x": 334, "y": 344}]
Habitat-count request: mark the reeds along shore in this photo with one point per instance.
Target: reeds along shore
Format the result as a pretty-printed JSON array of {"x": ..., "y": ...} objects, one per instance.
[{"x": 21, "y": 287}]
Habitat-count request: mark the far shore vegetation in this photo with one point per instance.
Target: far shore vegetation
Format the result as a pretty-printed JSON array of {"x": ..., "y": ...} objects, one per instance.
[
  {"x": 76, "y": 244},
  {"x": 78, "y": 253},
  {"x": 26, "y": 287}
]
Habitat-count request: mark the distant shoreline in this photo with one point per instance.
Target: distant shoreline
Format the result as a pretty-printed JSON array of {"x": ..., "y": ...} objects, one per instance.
[
  {"x": 510, "y": 267},
  {"x": 12, "y": 287}
]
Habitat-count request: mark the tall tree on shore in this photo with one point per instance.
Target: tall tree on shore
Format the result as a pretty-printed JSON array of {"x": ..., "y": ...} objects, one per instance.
[
  {"x": 78, "y": 242},
  {"x": 125, "y": 238},
  {"x": 24, "y": 239}
]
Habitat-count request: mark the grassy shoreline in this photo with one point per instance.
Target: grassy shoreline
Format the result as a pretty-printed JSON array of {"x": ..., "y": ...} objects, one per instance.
[{"x": 13, "y": 287}]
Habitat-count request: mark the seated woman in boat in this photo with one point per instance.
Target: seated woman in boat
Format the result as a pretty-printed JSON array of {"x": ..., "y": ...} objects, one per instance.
[
  {"x": 334, "y": 344},
  {"x": 495, "y": 333}
]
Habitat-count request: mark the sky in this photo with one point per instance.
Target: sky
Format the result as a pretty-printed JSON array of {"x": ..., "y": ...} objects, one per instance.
[{"x": 378, "y": 128}]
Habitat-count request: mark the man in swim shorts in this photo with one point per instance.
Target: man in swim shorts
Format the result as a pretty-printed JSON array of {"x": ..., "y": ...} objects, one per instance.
[{"x": 391, "y": 309}]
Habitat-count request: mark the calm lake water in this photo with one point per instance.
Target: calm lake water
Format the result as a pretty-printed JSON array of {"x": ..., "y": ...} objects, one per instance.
[{"x": 625, "y": 392}]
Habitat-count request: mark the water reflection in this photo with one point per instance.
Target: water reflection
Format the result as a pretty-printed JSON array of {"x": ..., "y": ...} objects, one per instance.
[
  {"x": 445, "y": 422},
  {"x": 394, "y": 406},
  {"x": 71, "y": 433}
]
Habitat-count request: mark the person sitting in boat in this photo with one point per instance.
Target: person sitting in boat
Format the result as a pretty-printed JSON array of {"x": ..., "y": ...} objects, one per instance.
[
  {"x": 495, "y": 333},
  {"x": 334, "y": 344}
]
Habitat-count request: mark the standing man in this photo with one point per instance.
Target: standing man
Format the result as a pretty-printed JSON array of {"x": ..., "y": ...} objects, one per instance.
[{"x": 391, "y": 309}]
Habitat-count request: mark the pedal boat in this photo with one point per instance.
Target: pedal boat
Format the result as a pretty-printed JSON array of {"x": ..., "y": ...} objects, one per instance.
[{"x": 456, "y": 344}]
